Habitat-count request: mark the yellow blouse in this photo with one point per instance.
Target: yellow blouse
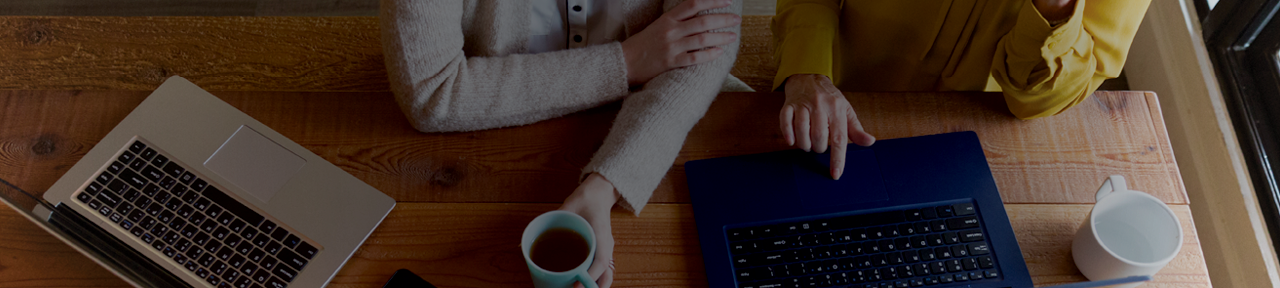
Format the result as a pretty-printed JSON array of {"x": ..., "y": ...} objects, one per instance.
[{"x": 956, "y": 45}]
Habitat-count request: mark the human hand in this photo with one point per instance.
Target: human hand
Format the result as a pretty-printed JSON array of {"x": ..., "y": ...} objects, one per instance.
[
  {"x": 1055, "y": 10},
  {"x": 814, "y": 110},
  {"x": 678, "y": 39},
  {"x": 593, "y": 200}
]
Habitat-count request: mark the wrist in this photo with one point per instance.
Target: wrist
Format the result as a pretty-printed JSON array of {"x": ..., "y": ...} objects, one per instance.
[
  {"x": 599, "y": 190},
  {"x": 1055, "y": 10}
]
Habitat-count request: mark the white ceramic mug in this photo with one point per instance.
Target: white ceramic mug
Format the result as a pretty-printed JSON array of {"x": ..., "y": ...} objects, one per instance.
[
  {"x": 542, "y": 278},
  {"x": 1128, "y": 233}
]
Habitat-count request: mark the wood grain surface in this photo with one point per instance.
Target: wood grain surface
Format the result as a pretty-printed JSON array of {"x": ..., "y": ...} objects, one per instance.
[
  {"x": 755, "y": 65},
  {"x": 217, "y": 53},
  {"x": 477, "y": 245},
  {"x": 237, "y": 53},
  {"x": 1060, "y": 159}
]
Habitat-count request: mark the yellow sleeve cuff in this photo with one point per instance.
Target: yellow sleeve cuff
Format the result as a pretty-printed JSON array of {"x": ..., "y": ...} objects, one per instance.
[
  {"x": 804, "y": 35},
  {"x": 1034, "y": 40}
]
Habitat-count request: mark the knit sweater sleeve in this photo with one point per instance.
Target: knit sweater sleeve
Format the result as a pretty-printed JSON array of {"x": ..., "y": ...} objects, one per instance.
[
  {"x": 650, "y": 129},
  {"x": 441, "y": 88}
]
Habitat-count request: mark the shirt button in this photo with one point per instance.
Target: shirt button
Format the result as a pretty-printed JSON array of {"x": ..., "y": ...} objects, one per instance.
[
  {"x": 577, "y": 38},
  {"x": 577, "y": 8}
]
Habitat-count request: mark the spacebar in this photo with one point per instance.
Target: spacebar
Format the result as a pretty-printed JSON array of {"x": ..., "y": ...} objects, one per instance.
[{"x": 220, "y": 198}]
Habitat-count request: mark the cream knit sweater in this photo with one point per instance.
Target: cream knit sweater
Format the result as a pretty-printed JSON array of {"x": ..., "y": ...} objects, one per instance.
[{"x": 457, "y": 65}]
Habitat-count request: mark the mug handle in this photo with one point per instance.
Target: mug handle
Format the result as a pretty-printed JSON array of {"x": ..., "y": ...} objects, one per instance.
[
  {"x": 586, "y": 280},
  {"x": 1112, "y": 184}
]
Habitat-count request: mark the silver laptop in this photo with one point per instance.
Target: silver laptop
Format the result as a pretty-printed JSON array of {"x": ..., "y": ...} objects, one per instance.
[{"x": 188, "y": 191}]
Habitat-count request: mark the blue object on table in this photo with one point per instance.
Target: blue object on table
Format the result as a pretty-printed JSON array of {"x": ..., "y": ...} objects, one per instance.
[
  {"x": 778, "y": 219},
  {"x": 1107, "y": 282}
]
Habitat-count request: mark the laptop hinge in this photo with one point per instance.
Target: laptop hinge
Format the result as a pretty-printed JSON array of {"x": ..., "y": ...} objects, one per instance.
[{"x": 114, "y": 252}]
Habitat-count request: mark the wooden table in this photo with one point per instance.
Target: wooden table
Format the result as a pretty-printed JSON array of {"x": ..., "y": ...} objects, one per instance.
[{"x": 465, "y": 197}]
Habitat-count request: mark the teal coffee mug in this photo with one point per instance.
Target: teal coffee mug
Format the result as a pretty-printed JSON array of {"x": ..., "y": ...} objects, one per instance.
[{"x": 559, "y": 250}]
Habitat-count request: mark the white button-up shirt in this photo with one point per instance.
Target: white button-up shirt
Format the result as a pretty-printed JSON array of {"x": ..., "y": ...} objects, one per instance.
[{"x": 567, "y": 24}]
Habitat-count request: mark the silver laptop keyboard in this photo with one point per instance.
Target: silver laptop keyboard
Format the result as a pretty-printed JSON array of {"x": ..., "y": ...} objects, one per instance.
[{"x": 212, "y": 235}]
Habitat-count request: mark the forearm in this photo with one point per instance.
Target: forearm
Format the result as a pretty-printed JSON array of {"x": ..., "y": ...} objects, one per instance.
[
  {"x": 440, "y": 88},
  {"x": 650, "y": 129}
]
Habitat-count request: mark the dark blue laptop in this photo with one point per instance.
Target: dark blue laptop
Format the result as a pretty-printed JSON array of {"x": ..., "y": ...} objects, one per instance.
[{"x": 912, "y": 212}]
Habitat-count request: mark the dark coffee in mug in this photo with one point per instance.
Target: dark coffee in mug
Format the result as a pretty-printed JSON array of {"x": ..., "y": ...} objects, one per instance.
[{"x": 559, "y": 250}]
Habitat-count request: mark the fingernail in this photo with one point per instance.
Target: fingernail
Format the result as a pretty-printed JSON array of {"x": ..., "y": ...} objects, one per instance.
[{"x": 839, "y": 172}]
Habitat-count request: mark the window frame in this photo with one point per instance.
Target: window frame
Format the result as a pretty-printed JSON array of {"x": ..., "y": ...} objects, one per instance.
[{"x": 1243, "y": 39}]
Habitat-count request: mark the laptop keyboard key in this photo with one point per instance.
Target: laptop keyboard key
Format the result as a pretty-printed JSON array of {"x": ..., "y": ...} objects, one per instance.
[
  {"x": 261, "y": 240},
  {"x": 962, "y": 223},
  {"x": 280, "y": 234},
  {"x": 200, "y": 238},
  {"x": 160, "y": 160},
  {"x": 977, "y": 249},
  {"x": 285, "y": 273},
  {"x": 186, "y": 178},
  {"x": 199, "y": 185},
  {"x": 248, "y": 268},
  {"x": 213, "y": 211},
  {"x": 306, "y": 250},
  {"x": 291, "y": 241},
  {"x": 267, "y": 226},
  {"x": 93, "y": 188},
  {"x": 197, "y": 217},
  {"x": 190, "y": 197},
  {"x": 226, "y": 219},
  {"x": 970, "y": 264},
  {"x": 249, "y": 232},
  {"x": 137, "y": 146},
  {"x": 242, "y": 282},
  {"x": 147, "y": 154},
  {"x": 275, "y": 282},
  {"x": 142, "y": 202},
  {"x": 261, "y": 276},
  {"x": 914, "y": 215},
  {"x": 257, "y": 255},
  {"x": 233, "y": 206},
  {"x": 201, "y": 204},
  {"x": 230, "y": 275},
  {"x": 268, "y": 262},
  {"x": 183, "y": 245},
  {"x": 168, "y": 182},
  {"x": 232, "y": 241},
  {"x": 221, "y": 233},
  {"x": 236, "y": 226},
  {"x": 272, "y": 248},
  {"x": 293, "y": 259},
  {"x": 150, "y": 190},
  {"x": 105, "y": 178},
  {"x": 173, "y": 169},
  {"x": 153, "y": 174},
  {"x": 131, "y": 195},
  {"x": 208, "y": 225},
  {"x": 84, "y": 197}
]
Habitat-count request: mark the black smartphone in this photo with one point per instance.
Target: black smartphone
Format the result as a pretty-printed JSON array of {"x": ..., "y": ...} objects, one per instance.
[{"x": 406, "y": 279}]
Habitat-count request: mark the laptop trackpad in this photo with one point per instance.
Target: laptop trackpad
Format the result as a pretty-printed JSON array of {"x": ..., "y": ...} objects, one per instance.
[
  {"x": 254, "y": 163},
  {"x": 860, "y": 182}
]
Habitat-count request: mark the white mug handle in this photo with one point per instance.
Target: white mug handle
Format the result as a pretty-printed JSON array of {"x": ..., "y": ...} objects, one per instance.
[{"x": 1112, "y": 184}]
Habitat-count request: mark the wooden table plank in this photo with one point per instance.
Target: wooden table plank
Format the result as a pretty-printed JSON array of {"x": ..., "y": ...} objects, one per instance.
[
  {"x": 476, "y": 245},
  {"x": 1058, "y": 159},
  {"x": 217, "y": 53},
  {"x": 229, "y": 53}
]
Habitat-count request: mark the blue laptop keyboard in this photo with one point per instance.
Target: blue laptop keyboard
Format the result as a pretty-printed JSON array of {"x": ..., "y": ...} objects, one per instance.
[{"x": 903, "y": 248}]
